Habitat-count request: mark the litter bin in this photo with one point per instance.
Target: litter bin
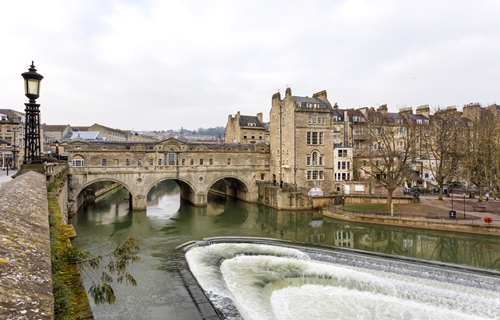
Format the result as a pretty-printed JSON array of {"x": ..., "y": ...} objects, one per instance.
[{"x": 453, "y": 214}]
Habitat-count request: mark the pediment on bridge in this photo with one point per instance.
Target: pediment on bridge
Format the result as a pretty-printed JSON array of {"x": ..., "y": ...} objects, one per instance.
[{"x": 172, "y": 143}]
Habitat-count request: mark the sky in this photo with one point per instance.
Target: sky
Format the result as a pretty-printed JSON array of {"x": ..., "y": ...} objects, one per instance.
[{"x": 161, "y": 64}]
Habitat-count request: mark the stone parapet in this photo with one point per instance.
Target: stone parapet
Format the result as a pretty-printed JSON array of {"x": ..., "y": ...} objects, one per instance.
[{"x": 25, "y": 267}]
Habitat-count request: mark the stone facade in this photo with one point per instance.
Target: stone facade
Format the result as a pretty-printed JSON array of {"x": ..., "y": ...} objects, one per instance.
[
  {"x": 304, "y": 132},
  {"x": 12, "y": 127},
  {"x": 25, "y": 267},
  {"x": 246, "y": 129},
  {"x": 194, "y": 166}
]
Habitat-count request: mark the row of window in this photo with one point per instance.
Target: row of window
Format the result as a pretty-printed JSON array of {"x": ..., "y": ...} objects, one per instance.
[
  {"x": 315, "y": 159},
  {"x": 252, "y": 136},
  {"x": 316, "y": 120},
  {"x": 104, "y": 162},
  {"x": 343, "y": 165},
  {"x": 342, "y": 176},
  {"x": 315, "y": 175},
  {"x": 314, "y": 138}
]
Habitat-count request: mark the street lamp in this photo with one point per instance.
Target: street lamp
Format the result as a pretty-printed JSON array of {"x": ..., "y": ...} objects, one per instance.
[
  {"x": 32, "y": 153},
  {"x": 57, "y": 149}
]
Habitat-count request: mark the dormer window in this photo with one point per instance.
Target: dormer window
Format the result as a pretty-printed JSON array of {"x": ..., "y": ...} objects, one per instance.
[
  {"x": 252, "y": 124},
  {"x": 312, "y": 105}
]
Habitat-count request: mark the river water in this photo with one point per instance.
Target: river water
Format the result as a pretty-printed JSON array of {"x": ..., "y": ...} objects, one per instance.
[{"x": 169, "y": 222}]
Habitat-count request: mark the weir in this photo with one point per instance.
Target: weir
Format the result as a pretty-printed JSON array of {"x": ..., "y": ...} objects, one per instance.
[{"x": 256, "y": 278}]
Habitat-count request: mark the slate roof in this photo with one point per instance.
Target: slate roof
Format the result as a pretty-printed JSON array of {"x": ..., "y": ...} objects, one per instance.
[
  {"x": 56, "y": 128},
  {"x": 355, "y": 113},
  {"x": 340, "y": 115},
  {"x": 12, "y": 115},
  {"x": 416, "y": 117},
  {"x": 304, "y": 100},
  {"x": 245, "y": 120},
  {"x": 85, "y": 135}
]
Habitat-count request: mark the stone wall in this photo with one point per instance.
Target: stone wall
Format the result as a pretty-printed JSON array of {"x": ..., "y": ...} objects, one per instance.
[{"x": 25, "y": 269}]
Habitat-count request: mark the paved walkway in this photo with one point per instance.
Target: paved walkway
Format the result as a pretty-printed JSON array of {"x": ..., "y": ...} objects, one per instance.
[
  {"x": 460, "y": 204},
  {"x": 4, "y": 178}
]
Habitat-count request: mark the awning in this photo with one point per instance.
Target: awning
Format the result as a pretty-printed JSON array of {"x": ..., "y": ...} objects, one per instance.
[{"x": 315, "y": 192}]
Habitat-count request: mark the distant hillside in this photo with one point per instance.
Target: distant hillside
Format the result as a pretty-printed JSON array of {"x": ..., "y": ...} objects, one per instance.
[{"x": 186, "y": 134}]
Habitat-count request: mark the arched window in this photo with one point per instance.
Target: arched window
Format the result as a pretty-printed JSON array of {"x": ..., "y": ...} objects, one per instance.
[
  {"x": 171, "y": 157},
  {"x": 315, "y": 158},
  {"x": 77, "y": 161}
]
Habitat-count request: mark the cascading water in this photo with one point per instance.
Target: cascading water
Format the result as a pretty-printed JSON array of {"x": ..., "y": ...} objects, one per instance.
[{"x": 253, "y": 280}]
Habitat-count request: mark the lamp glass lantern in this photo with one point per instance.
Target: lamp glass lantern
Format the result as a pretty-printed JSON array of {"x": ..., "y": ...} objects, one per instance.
[{"x": 32, "y": 81}]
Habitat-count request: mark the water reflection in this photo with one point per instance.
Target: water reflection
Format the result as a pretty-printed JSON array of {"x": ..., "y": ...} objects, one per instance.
[{"x": 169, "y": 222}]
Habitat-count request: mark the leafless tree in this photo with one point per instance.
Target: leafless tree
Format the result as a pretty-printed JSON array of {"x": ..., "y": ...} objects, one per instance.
[
  {"x": 443, "y": 148},
  {"x": 392, "y": 140}
]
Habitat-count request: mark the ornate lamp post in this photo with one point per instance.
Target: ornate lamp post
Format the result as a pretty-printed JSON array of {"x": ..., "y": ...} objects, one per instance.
[
  {"x": 57, "y": 149},
  {"x": 32, "y": 153}
]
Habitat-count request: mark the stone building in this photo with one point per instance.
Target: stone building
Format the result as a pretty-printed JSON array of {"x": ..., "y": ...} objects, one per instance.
[
  {"x": 12, "y": 126},
  {"x": 246, "y": 129},
  {"x": 303, "y": 134},
  {"x": 108, "y": 133}
]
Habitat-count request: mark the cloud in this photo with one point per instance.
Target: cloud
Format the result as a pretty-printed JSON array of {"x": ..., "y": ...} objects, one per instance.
[{"x": 191, "y": 63}]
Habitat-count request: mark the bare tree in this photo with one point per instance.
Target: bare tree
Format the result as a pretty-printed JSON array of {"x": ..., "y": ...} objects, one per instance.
[
  {"x": 392, "y": 138},
  {"x": 443, "y": 148},
  {"x": 481, "y": 151}
]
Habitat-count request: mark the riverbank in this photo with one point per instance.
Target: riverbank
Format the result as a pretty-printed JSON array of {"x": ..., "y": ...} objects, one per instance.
[{"x": 417, "y": 215}]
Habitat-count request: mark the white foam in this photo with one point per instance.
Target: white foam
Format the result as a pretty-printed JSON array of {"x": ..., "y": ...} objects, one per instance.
[{"x": 271, "y": 282}]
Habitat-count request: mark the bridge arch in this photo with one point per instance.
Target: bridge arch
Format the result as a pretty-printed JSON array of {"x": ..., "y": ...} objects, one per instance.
[
  {"x": 77, "y": 188},
  {"x": 187, "y": 190},
  {"x": 235, "y": 187}
]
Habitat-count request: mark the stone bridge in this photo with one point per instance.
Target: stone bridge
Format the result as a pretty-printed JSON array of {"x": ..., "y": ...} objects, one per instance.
[{"x": 196, "y": 167}]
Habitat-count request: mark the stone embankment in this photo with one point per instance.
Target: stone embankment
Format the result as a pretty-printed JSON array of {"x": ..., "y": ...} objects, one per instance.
[
  {"x": 25, "y": 269},
  {"x": 418, "y": 216}
]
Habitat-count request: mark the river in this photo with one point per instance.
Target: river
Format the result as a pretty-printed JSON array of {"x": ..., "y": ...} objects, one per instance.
[{"x": 169, "y": 222}]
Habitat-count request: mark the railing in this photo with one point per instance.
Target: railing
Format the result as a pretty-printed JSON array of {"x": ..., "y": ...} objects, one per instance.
[
  {"x": 53, "y": 169},
  {"x": 430, "y": 217}
]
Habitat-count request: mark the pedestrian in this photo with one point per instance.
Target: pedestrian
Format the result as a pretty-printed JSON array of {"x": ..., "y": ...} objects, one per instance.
[{"x": 487, "y": 197}]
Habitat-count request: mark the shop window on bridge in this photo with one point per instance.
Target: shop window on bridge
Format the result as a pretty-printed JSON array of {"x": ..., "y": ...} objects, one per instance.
[
  {"x": 183, "y": 162},
  {"x": 201, "y": 162},
  {"x": 151, "y": 162},
  {"x": 211, "y": 162},
  {"x": 139, "y": 163},
  {"x": 103, "y": 162},
  {"x": 262, "y": 176},
  {"x": 191, "y": 162},
  {"x": 127, "y": 162},
  {"x": 159, "y": 162},
  {"x": 229, "y": 161},
  {"x": 171, "y": 157},
  {"x": 77, "y": 161}
]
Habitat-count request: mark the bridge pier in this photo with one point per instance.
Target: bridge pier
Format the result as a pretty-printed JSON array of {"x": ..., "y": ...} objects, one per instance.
[{"x": 138, "y": 202}]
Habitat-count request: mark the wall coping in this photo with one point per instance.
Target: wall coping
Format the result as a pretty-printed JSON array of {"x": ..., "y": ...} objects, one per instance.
[{"x": 25, "y": 267}]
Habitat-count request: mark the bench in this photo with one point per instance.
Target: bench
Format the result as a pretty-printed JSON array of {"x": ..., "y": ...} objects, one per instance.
[{"x": 479, "y": 208}]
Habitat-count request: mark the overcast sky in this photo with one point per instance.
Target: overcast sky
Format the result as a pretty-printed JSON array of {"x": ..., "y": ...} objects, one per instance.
[{"x": 157, "y": 65}]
